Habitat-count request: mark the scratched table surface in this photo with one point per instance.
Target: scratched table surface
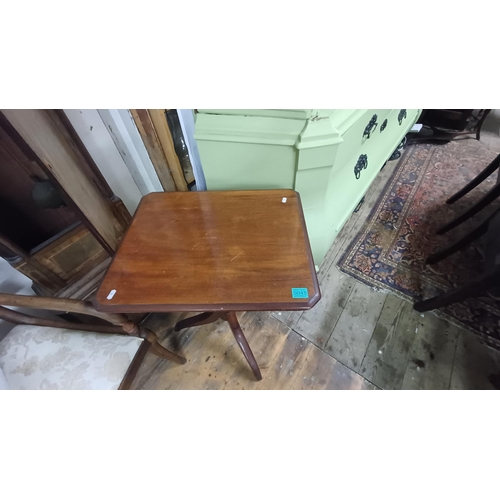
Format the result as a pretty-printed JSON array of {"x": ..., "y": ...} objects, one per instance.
[{"x": 213, "y": 251}]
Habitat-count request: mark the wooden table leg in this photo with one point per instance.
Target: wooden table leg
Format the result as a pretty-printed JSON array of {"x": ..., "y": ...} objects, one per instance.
[
  {"x": 199, "y": 319},
  {"x": 242, "y": 342},
  {"x": 230, "y": 317}
]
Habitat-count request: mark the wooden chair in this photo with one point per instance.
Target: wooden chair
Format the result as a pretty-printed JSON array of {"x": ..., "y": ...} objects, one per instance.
[
  {"x": 45, "y": 353},
  {"x": 479, "y": 286},
  {"x": 490, "y": 196}
]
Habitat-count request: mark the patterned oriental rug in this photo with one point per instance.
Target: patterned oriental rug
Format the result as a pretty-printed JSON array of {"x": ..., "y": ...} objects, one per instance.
[{"x": 391, "y": 248}]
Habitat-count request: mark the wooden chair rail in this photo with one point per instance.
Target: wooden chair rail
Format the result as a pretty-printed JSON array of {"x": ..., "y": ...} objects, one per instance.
[
  {"x": 60, "y": 304},
  {"x": 153, "y": 128},
  {"x": 26, "y": 319}
]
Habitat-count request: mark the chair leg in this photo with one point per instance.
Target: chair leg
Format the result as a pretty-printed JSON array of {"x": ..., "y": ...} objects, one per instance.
[
  {"x": 242, "y": 342},
  {"x": 134, "y": 366},
  {"x": 476, "y": 181},
  {"x": 473, "y": 289},
  {"x": 199, "y": 319},
  {"x": 466, "y": 240},
  {"x": 480, "y": 123},
  {"x": 490, "y": 196}
]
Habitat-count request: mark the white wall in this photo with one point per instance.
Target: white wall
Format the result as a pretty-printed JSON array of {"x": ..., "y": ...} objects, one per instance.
[
  {"x": 128, "y": 141},
  {"x": 112, "y": 139},
  {"x": 96, "y": 138},
  {"x": 186, "y": 119}
]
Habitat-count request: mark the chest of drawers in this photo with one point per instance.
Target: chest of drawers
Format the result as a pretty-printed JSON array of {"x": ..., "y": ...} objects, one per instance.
[{"x": 329, "y": 156}]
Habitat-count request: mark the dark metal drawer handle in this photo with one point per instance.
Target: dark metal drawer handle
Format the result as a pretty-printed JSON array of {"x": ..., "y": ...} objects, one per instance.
[
  {"x": 361, "y": 164},
  {"x": 401, "y": 116},
  {"x": 384, "y": 124},
  {"x": 371, "y": 127}
]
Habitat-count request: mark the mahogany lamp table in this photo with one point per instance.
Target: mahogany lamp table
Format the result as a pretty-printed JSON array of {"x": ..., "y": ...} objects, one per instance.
[{"x": 216, "y": 252}]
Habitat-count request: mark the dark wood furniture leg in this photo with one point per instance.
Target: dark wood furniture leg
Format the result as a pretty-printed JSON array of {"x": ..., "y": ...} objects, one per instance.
[
  {"x": 135, "y": 365},
  {"x": 472, "y": 289},
  {"x": 490, "y": 196},
  {"x": 230, "y": 317},
  {"x": 476, "y": 181},
  {"x": 469, "y": 238},
  {"x": 479, "y": 124},
  {"x": 199, "y": 319},
  {"x": 242, "y": 342}
]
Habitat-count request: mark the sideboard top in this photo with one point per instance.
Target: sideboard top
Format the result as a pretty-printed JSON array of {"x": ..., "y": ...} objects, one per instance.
[{"x": 298, "y": 114}]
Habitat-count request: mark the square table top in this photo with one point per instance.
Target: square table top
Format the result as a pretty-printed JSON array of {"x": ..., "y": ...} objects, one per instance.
[{"x": 213, "y": 251}]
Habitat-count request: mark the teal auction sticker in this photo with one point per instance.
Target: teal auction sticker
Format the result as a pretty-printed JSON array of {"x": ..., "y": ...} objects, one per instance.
[{"x": 300, "y": 293}]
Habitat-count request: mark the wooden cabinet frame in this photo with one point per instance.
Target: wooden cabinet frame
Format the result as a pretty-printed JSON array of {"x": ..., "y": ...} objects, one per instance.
[
  {"x": 153, "y": 128},
  {"x": 52, "y": 141},
  {"x": 48, "y": 138}
]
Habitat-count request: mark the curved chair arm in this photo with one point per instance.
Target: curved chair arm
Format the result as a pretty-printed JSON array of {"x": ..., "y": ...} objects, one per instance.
[
  {"x": 26, "y": 319},
  {"x": 58, "y": 304}
]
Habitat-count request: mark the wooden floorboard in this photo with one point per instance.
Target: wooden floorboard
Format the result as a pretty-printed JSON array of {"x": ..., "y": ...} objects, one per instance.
[
  {"x": 350, "y": 338},
  {"x": 431, "y": 358},
  {"x": 321, "y": 371},
  {"x": 289, "y": 362},
  {"x": 386, "y": 357},
  {"x": 476, "y": 366},
  {"x": 318, "y": 323}
]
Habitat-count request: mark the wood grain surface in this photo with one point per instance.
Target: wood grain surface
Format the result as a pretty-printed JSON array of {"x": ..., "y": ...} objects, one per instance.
[{"x": 213, "y": 251}]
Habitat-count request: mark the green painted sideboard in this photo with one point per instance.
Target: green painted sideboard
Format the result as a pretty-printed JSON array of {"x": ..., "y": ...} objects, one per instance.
[{"x": 329, "y": 156}]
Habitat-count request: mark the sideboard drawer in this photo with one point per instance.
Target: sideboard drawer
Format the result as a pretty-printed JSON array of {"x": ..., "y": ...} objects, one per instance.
[{"x": 362, "y": 133}]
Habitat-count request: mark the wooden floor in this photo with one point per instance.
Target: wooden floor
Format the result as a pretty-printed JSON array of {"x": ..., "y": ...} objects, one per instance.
[{"x": 354, "y": 338}]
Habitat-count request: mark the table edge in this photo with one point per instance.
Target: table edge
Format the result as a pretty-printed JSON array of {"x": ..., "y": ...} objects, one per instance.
[
  {"x": 262, "y": 306},
  {"x": 268, "y": 306}
]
